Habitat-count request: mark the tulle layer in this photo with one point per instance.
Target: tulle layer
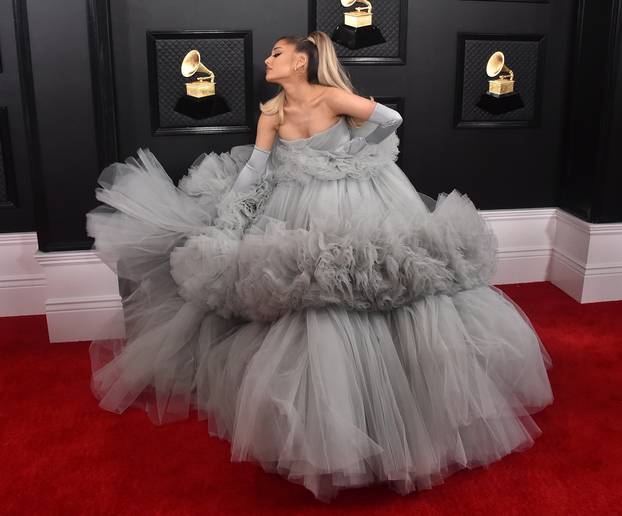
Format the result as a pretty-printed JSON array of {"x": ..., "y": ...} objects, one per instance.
[
  {"x": 327, "y": 396},
  {"x": 331, "y": 164},
  {"x": 327, "y": 229},
  {"x": 378, "y": 261},
  {"x": 333, "y": 398}
]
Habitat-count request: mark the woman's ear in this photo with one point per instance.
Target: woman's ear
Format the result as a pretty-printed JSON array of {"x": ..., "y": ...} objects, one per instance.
[{"x": 300, "y": 62}]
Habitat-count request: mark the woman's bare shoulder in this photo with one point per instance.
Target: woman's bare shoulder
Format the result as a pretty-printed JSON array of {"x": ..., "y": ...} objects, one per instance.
[
  {"x": 344, "y": 102},
  {"x": 267, "y": 127},
  {"x": 328, "y": 92},
  {"x": 268, "y": 122}
]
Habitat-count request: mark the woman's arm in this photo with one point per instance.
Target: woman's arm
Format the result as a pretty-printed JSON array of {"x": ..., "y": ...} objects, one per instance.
[
  {"x": 345, "y": 103},
  {"x": 388, "y": 121},
  {"x": 256, "y": 165}
]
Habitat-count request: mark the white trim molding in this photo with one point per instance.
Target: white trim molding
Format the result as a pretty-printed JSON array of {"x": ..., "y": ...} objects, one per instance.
[
  {"x": 83, "y": 301},
  {"x": 80, "y": 294},
  {"x": 526, "y": 238},
  {"x": 23, "y": 286},
  {"x": 587, "y": 259}
]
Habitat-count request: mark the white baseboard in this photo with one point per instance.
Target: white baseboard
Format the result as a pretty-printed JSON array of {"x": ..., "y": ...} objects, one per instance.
[
  {"x": 526, "y": 239},
  {"x": 80, "y": 296},
  {"x": 587, "y": 259},
  {"x": 83, "y": 301},
  {"x": 23, "y": 285}
]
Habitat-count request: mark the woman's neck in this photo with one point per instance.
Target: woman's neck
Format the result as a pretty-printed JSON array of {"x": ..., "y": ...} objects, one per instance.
[{"x": 299, "y": 94}]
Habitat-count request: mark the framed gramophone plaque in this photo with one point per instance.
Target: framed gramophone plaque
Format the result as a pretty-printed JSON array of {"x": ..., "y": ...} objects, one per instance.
[
  {"x": 200, "y": 81},
  {"x": 366, "y": 32},
  {"x": 499, "y": 80}
]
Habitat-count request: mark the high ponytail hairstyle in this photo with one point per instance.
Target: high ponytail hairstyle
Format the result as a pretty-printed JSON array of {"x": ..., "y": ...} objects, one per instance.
[{"x": 323, "y": 68}]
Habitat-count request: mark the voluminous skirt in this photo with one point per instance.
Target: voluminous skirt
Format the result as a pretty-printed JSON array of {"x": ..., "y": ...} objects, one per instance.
[{"x": 334, "y": 325}]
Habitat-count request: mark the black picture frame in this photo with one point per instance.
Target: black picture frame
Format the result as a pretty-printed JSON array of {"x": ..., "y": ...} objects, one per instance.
[
  {"x": 535, "y": 120},
  {"x": 344, "y": 54},
  {"x": 157, "y": 129}
]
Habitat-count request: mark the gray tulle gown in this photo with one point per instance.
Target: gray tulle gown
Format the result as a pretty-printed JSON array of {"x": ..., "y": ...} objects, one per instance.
[{"x": 335, "y": 325}]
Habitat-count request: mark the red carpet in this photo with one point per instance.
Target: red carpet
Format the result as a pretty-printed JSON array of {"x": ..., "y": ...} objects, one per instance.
[{"x": 61, "y": 454}]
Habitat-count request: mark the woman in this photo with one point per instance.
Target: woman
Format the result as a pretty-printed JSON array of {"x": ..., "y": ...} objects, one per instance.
[{"x": 331, "y": 322}]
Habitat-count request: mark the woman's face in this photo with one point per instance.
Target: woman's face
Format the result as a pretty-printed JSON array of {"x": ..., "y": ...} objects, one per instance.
[{"x": 283, "y": 62}]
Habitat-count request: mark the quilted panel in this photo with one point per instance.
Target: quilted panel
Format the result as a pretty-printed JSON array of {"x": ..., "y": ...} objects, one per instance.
[
  {"x": 520, "y": 56},
  {"x": 223, "y": 56}
]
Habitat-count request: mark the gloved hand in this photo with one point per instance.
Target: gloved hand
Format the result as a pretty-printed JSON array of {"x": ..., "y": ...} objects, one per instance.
[
  {"x": 247, "y": 178},
  {"x": 251, "y": 173},
  {"x": 388, "y": 121}
]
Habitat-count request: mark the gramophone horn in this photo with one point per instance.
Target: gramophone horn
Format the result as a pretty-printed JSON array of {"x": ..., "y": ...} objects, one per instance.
[
  {"x": 191, "y": 64},
  {"x": 495, "y": 64}
]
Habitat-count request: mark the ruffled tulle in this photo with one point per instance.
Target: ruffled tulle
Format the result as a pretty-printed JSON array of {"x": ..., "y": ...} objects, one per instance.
[
  {"x": 335, "y": 398},
  {"x": 332, "y": 164},
  {"x": 335, "y": 342},
  {"x": 379, "y": 262}
]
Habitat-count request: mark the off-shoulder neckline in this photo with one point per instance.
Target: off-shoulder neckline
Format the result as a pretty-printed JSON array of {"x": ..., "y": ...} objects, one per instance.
[{"x": 313, "y": 135}]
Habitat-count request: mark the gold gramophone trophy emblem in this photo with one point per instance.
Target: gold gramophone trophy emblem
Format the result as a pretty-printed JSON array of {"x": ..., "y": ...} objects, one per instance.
[
  {"x": 500, "y": 97},
  {"x": 200, "y": 100},
  {"x": 504, "y": 83},
  {"x": 203, "y": 85},
  {"x": 357, "y": 29},
  {"x": 360, "y": 17}
]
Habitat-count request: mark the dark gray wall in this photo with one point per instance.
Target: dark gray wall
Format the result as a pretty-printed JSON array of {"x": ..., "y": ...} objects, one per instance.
[
  {"x": 498, "y": 168},
  {"x": 591, "y": 182},
  {"x": 91, "y": 100},
  {"x": 53, "y": 136},
  {"x": 16, "y": 197}
]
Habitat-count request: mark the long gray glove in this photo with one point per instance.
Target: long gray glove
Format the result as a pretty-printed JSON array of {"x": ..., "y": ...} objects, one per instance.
[
  {"x": 251, "y": 173},
  {"x": 388, "y": 121}
]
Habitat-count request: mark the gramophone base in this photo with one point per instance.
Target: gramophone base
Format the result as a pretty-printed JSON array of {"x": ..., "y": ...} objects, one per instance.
[
  {"x": 357, "y": 37},
  {"x": 199, "y": 108},
  {"x": 497, "y": 105}
]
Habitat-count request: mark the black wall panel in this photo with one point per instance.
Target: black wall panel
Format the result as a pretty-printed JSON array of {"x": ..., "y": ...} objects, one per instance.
[
  {"x": 16, "y": 154},
  {"x": 591, "y": 182}
]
